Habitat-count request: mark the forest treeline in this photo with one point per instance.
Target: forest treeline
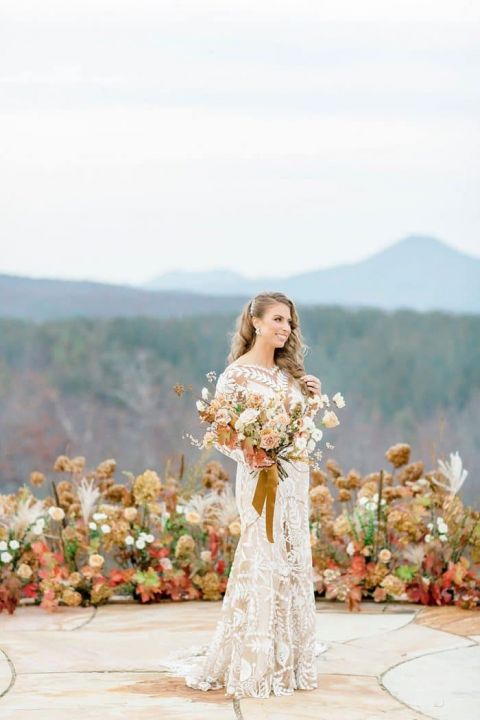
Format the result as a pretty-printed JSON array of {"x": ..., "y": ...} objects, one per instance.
[{"x": 104, "y": 388}]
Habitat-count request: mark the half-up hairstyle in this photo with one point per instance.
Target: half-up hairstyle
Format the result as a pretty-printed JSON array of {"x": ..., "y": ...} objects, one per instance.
[{"x": 290, "y": 357}]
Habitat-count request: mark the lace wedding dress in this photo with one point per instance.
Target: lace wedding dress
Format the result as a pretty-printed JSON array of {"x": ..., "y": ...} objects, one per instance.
[{"x": 264, "y": 642}]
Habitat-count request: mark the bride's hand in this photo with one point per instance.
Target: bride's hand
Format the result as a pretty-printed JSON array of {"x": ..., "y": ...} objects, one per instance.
[{"x": 313, "y": 384}]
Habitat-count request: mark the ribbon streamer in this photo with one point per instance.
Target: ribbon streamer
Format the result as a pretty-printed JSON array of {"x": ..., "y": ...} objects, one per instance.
[{"x": 265, "y": 494}]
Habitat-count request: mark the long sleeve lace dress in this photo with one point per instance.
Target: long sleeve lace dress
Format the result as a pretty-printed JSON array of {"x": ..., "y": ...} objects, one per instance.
[{"x": 264, "y": 642}]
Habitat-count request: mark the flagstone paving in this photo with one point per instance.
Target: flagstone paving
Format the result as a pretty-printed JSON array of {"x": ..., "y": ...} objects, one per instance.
[{"x": 395, "y": 661}]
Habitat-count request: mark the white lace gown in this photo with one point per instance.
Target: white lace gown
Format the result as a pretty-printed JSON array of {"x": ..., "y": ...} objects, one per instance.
[{"x": 264, "y": 642}]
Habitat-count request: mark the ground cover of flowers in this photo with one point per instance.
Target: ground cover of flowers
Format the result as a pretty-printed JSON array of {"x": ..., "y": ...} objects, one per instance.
[{"x": 401, "y": 534}]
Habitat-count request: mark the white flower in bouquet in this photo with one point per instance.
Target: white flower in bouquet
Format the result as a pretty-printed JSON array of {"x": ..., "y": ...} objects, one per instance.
[
  {"x": 106, "y": 529},
  {"x": 206, "y": 556},
  {"x": 3, "y": 545},
  {"x": 92, "y": 525},
  {"x": 200, "y": 405},
  {"x": 140, "y": 543},
  {"x": 247, "y": 417},
  {"x": 14, "y": 544},
  {"x": 329, "y": 419},
  {"x": 205, "y": 393},
  {"x": 166, "y": 563},
  {"x": 129, "y": 540},
  {"x": 222, "y": 417},
  {"x": 311, "y": 445},
  {"x": 339, "y": 400},
  {"x": 300, "y": 443},
  {"x": 5, "y": 556},
  {"x": 99, "y": 516},
  {"x": 317, "y": 434}
]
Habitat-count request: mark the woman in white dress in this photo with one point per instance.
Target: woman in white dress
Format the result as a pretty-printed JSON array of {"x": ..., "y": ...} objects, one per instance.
[{"x": 264, "y": 642}]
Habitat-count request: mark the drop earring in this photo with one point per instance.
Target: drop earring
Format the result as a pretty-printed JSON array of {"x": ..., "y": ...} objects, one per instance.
[{"x": 258, "y": 331}]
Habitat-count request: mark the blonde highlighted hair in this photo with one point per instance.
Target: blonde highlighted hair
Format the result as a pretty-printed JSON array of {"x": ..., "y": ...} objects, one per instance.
[{"x": 290, "y": 357}]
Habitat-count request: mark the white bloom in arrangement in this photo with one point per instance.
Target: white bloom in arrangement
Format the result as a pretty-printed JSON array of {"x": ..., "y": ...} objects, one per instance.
[
  {"x": 3, "y": 545},
  {"x": 106, "y": 529},
  {"x": 14, "y": 544},
  {"x": 166, "y": 563},
  {"x": 311, "y": 445},
  {"x": 329, "y": 419},
  {"x": 442, "y": 525},
  {"x": 443, "y": 538},
  {"x": 5, "y": 557},
  {"x": 99, "y": 516},
  {"x": 350, "y": 548},
  {"x": 428, "y": 537},
  {"x": 206, "y": 555},
  {"x": 205, "y": 393},
  {"x": 140, "y": 543},
  {"x": 317, "y": 434},
  {"x": 325, "y": 400},
  {"x": 430, "y": 526},
  {"x": 339, "y": 400},
  {"x": 247, "y": 417},
  {"x": 307, "y": 423},
  {"x": 300, "y": 443},
  {"x": 92, "y": 525},
  {"x": 454, "y": 473},
  {"x": 56, "y": 513},
  {"x": 129, "y": 540},
  {"x": 363, "y": 500},
  {"x": 200, "y": 405},
  {"x": 149, "y": 538}
]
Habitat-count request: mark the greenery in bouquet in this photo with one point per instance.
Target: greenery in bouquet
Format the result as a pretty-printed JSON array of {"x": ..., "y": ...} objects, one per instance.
[{"x": 263, "y": 428}]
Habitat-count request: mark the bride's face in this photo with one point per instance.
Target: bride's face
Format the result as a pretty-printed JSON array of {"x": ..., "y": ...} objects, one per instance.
[{"x": 275, "y": 325}]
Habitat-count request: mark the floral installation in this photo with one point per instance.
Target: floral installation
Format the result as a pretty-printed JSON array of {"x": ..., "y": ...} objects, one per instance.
[{"x": 403, "y": 535}]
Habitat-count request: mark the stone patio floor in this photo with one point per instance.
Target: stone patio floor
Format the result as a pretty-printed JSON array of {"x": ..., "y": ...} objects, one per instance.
[{"x": 395, "y": 661}]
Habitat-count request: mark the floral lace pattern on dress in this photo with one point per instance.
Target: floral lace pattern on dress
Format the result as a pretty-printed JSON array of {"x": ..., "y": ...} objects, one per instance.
[{"x": 264, "y": 642}]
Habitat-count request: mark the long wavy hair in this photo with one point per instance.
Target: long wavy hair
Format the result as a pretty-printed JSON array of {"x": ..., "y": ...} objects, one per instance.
[{"x": 290, "y": 357}]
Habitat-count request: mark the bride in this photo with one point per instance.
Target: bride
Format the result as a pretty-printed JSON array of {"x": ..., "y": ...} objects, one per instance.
[{"x": 264, "y": 642}]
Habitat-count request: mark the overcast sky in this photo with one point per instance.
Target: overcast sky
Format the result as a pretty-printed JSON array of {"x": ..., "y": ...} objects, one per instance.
[{"x": 262, "y": 136}]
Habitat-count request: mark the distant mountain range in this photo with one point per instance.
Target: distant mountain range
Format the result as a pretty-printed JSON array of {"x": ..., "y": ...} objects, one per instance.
[
  {"x": 40, "y": 299},
  {"x": 418, "y": 272}
]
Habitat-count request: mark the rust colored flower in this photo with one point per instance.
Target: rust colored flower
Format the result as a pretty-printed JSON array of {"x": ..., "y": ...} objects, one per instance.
[
  {"x": 398, "y": 454},
  {"x": 106, "y": 469},
  {"x": 37, "y": 479},
  {"x": 411, "y": 472},
  {"x": 317, "y": 477},
  {"x": 334, "y": 468}
]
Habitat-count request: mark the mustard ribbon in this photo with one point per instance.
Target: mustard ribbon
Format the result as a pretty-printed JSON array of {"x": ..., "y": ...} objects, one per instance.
[{"x": 265, "y": 494}]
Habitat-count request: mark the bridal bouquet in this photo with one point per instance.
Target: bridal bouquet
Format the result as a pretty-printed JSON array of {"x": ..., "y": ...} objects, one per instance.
[
  {"x": 262, "y": 428},
  {"x": 266, "y": 433}
]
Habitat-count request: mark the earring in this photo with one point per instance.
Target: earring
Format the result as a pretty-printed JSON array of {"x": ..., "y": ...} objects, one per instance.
[{"x": 258, "y": 331}]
